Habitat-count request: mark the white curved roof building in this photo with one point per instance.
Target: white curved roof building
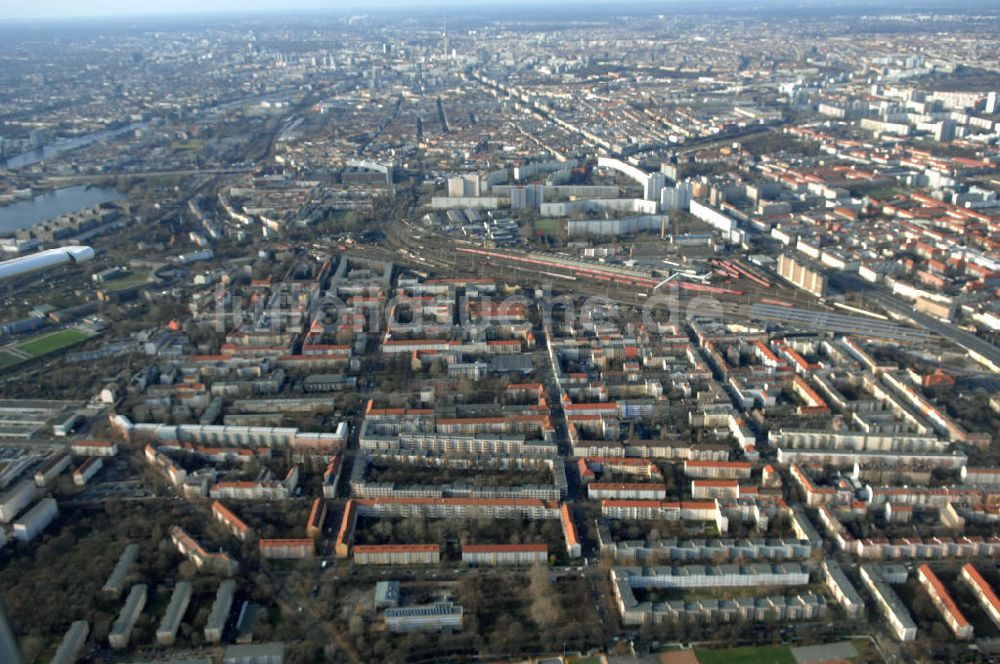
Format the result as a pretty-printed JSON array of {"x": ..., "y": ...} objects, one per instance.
[{"x": 43, "y": 260}]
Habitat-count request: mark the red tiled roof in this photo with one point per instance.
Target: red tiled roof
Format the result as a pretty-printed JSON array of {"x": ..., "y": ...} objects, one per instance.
[
  {"x": 568, "y": 525},
  {"x": 228, "y": 516},
  {"x": 943, "y": 596},
  {"x": 91, "y": 443},
  {"x": 982, "y": 585}
]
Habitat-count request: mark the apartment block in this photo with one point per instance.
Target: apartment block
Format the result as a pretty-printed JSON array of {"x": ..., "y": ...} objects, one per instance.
[
  {"x": 842, "y": 589},
  {"x": 116, "y": 580},
  {"x": 505, "y": 554},
  {"x": 122, "y": 629},
  {"x": 35, "y": 520},
  {"x": 944, "y": 603},
  {"x": 16, "y": 499},
  {"x": 235, "y": 525},
  {"x": 397, "y": 554},
  {"x": 174, "y": 614},
  {"x": 219, "y": 615},
  {"x": 72, "y": 643},
  {"x": 983, "y": 592},
  {"x": 625, "y": 491},
  {"x": 889, "y": 604},
  {"x": 52, "y": 468},
  {"x": 284, "y": 549}
]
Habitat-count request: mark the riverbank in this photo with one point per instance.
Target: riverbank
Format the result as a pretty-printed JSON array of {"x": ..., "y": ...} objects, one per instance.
[{"x": 50, "y": 204}]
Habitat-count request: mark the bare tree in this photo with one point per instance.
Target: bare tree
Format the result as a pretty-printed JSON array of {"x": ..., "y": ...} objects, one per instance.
[{"x": 545, "y": 609}]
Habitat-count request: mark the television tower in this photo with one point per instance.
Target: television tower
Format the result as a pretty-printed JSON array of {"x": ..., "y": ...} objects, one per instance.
[{"x": 446, "y": 38}]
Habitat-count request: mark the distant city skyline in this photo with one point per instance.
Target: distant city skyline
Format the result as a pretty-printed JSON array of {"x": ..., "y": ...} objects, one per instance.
[{"x": 55, "y": 9}]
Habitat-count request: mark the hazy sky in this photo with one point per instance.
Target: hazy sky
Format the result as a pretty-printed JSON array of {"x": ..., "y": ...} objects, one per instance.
[
  {"x": 20, "y": 9},
  {"x": 75, "y": 8},
  {"x": 70, "y": 8}
]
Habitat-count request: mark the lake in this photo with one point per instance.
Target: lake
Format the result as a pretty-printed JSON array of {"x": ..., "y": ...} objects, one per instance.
[{"x": 25, "y": 214}]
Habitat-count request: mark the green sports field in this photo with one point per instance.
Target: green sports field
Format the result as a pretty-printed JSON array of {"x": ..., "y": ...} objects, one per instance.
[
  {"x": 8, "y": 359},
  {"x": 126, "y": 282},
  {"x": 550, "y": 226},
  {"x": 51, "y": 342}
]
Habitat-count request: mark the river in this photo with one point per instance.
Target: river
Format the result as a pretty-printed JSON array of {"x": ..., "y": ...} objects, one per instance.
[
  {"x": 25, "y": 214},
  {"x": 67, "y": 144}
]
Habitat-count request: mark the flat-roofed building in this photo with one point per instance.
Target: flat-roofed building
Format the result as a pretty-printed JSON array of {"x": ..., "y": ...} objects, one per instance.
[
  {"x": 397, "y": 554},
  {"x": 219, "y": 615},
  {"x": 172, "y": 617},
  {"x": 263, "y": 490},
  {"x": 944, "y": 603},
  {"x": 803, "y": 528},
  {"x": 694, "y": 550},
  {"x": 889, "y": 604},
  {"x": 122, "y": 629},
  {"x": 720, "y": 576},
  {"x": 844, "y": 458},
  {"x": 807, "y": 276},
  {"x": 626, "y": 491},
  {"x": 980, "y": 476},
  {"x": 255, "y": 653},
  {"x": 842, "y": 589},
  {"x": 711, "y": 489},
  {"x": 116, "y": 580},
  {"x": 35, "y": 520},
  {"x": 505, "y": 554},
  {"x": 245, "y": 436},
  {"x": 983, "y": 592},
  {"x": 784, "y": 607},
  {"x": 92, "y": 448},
  {"x": 9, "y": 648},
  {"x": 429, "y": 617},
  {"x": 386, "y": 594},
  {"x": 16, "y": 499},
  {"x": 705, "y": 510},
  {"x": 72, "y": 643}
]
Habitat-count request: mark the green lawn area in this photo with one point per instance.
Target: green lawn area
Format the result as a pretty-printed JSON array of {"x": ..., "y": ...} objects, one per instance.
[
  {"x": 550, "y": 226},
  {"x": 747, "y": 655},
  {"x": 885, "y": 192},
  {"x": 165, "y": 180},
  {"x": 188, "y": 146},
  {"x": 128, "y": 281},
  {"x": 51, "y": 342},
  {"x": 863, "y": 646},
  {"x": 7, "y": 359}
]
